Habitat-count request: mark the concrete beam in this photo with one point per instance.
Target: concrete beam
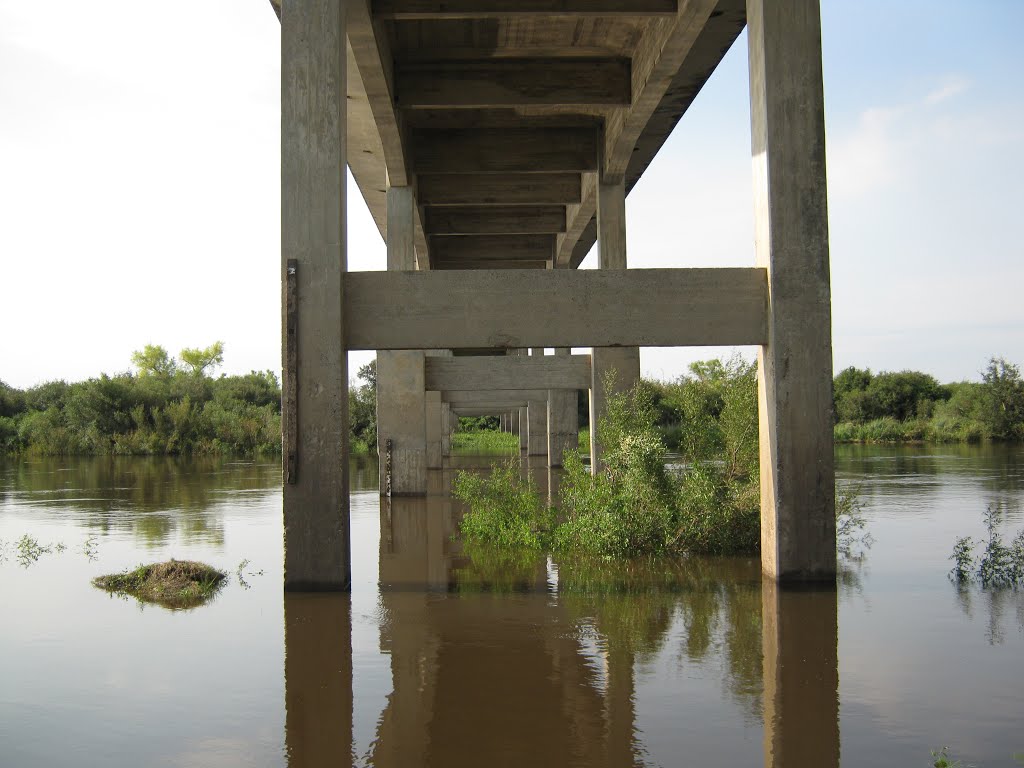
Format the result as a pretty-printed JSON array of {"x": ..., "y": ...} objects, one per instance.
[
  {"x": 506, "y": 150},
  {"x": 503, "y": 189},
  {"x": 527, "y": 82},
  {"x": 315, "y": 382},
  {"x": 475, "y": 264},
  {"x": 452, "y": 249},
  {"x": 555, "y": 308},
  {"x": 488, "y": 220},
  {"x": 497, "y": 373},
  {"x": 798, "y": 524},
  {"x": 408, "y": 10},
  {"x": 511, "y": 398}
]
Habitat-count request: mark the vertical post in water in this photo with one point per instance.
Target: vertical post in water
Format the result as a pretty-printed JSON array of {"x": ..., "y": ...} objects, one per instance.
[
  {"x": 537, "y": 413},
  {"x": 401, "y": 405},
  {"x": 315, "y": 380},
  {"x": 563, "y": 429},
  {"x": 621, "y": 364},
  {"x": 798, "y": 532}
]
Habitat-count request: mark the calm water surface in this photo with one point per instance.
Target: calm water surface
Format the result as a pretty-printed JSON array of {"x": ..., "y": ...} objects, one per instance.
[{"x": 438, "y": 659}]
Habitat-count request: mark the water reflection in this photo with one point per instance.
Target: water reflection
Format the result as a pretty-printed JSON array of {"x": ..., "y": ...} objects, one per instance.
[
  {"x": 155, "y": 499},
  {"x": 318, "y": 680},
  {"x": 801, "y": 677},
  {"x": 505, "y": 660}
]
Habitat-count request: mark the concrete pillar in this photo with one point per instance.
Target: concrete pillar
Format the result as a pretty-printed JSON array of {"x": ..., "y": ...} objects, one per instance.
[
  {"x": 524, "y": 429},
  {"x": 401, "y": 415},
  {"x": 433, "y": 429},
  {"x": 446, "y": 429},
  {"x": 313, "y": 261},
  {"x": 798, "y": 534},
  {"x": 621, "y": 362},
  {"x": 799, "y": 638},
  {"x": 563, "y": 427},
  {"x": 537, "y": 410}
]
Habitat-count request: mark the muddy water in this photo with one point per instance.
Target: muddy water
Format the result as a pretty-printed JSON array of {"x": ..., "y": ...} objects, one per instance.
[{"x": 439, "y": 658}]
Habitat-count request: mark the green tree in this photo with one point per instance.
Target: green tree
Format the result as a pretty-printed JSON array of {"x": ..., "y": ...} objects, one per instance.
[
  {"x": 153, "y": 360},
  {"x": 200, "y": 361},
  {"x": 1003, "y": 399}
]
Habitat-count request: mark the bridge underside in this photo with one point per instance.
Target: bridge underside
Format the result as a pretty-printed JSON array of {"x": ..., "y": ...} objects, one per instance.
[{"x": 494, "y": 142}]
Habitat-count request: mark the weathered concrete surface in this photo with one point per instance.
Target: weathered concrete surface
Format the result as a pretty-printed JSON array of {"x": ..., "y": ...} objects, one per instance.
[
  {"x": 505, "y": 372},
  {"x": 401, "y": 416},
  {"x": 505, "y": 398},
  {"x": 798, "y": 534},
  {"x": 555, "y": 308},
  {"x": 524, "y": 428},
  {"x": 613, "y": 370},
  {"x": 449, "y": 422},
  {"x": 313, "y": 145},
  {"x": 563, "y": 427},
  {"x": 434, "y": 415}
]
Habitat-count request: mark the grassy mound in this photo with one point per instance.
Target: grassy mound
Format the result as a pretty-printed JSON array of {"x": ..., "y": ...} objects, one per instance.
[{"x": 174, "y": 584}]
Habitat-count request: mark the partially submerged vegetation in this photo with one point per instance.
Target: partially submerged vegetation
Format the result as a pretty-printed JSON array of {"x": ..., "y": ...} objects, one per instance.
[
  {"x": 636, "y": 506},
  {"x": 174, "y": 584},
  {"x": 999, "y": 565}
]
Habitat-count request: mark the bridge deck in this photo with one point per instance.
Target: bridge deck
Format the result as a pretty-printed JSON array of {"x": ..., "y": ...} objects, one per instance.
[{"x": 500, "y": 113}]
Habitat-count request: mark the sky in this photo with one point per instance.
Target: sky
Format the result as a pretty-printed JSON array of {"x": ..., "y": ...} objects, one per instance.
[{"x": 140, "y": 186}]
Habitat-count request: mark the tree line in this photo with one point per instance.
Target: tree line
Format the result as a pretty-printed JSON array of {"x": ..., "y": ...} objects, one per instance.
[
  {"x": 175, "y": 406},
  {"x": 868, "y": 407},
  {"x": 166, "y": 406}
]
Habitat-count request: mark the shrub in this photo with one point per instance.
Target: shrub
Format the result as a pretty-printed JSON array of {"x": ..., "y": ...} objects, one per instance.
[{"x": 999, "y": 564}]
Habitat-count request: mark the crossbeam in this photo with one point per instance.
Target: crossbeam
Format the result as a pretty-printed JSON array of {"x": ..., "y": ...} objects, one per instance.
[
  {"x": 506, "y": 150},
  {"x": 555, "y": 308},
  {"x": 488, "y": 220},
  {"x": 504, "y": 189},
  {"x": 503, "y": 373},
  {"x": 485, "y": 247},
  {"x": 490, "y": 83},
  {"x": 412, "y": 10},
  {"x": 509, "y": 398}
]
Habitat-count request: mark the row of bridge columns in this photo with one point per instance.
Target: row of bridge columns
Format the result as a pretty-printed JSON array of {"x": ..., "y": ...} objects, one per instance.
[{"x": 783, "y": 305}]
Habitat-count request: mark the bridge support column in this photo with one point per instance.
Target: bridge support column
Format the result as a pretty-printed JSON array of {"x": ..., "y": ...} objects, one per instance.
[
  {"x": 621, "y": 363},
  {"x": 315, "y": 380},
  {"x": 401, "y": 404},
  {"x": 798, "y": 534},
  {"x": 563, "y": 429},
  {"x": 446, "y": 429},
  {"x": 434, "y": 427},
  {"x": 524, "y": 429},
  {"x": 537, "y": 440}
]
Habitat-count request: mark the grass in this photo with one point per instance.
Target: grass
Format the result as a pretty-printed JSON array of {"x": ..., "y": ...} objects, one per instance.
[
  {"x": 175, "y": 584},
  {"x": 486, "y": 441}
]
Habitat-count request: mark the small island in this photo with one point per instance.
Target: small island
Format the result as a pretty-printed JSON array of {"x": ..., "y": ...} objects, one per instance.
[{"x": 176, "y": 584}]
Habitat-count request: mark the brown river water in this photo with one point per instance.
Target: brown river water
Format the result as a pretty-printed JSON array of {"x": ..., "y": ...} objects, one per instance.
[{"x": 438, "y": 659}]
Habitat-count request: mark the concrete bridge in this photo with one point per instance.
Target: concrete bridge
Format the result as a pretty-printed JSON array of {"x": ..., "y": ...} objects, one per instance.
[{"x": 494, "y": 142}]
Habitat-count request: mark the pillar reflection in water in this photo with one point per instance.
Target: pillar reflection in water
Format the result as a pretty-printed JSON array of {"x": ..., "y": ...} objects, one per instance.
[
  {"x": 318, "y": 679},
  {"x": 485, "y": 666},
  {"x": 801, "y": 676}
]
